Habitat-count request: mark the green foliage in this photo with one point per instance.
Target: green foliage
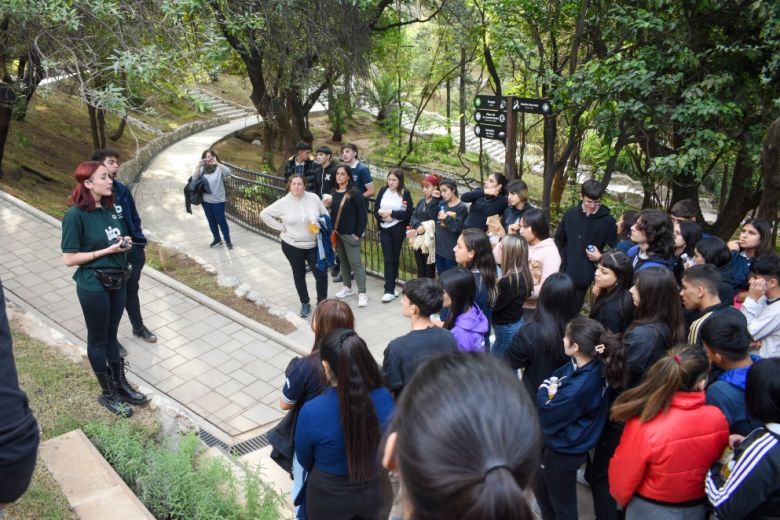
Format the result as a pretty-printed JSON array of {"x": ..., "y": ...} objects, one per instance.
[
  {"x": 179, "y": 483},
  {"x": 260, "y": 193}
]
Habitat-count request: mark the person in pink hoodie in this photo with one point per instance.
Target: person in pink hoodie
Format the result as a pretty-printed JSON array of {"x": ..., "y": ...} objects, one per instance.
[
  {"x": 465, "y": 319},
  {"x": 544, "y": 258}
]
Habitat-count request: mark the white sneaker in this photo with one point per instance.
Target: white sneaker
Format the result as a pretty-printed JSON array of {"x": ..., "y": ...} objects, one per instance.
[
  {"x": 362, "y": 300},
  {"x": 344, "y": 292},
  {"x": 388, "y": 297}
]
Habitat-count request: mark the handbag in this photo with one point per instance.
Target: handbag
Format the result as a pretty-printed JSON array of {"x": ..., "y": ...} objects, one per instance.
[
  {"x": 334, "y": 236},
  {"x": 113, "y": 279}
]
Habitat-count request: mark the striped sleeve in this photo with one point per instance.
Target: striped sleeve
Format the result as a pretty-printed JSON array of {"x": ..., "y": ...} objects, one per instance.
[{"x": 752, "y": 480}]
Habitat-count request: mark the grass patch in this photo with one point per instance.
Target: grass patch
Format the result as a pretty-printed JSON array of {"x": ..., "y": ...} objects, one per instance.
[
  {"x": 179, "y": 483},
  {"x": 63, "y": 397},
  {"x": 187, "y": 271}
]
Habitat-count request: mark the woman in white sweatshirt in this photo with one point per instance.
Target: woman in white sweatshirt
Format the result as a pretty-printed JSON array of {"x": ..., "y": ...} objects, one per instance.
[
  {"x": 543, "y": 256},
  {"x": 296, "y": 216}
]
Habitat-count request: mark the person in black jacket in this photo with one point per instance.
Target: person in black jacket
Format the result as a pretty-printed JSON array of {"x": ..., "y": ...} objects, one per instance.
[
  {"x": 613, "y": 307},
  {"x": 324, "y": 174},
  {"x": 654, "y": 237},
  {"x": 486, "y": 202},
  {"x": 750, "y": 488},
  {"x": 350, "y": 227},
  {"x": 714, "y": 251},
  {"x": 302, "y": 163},
  {"x": 19, "y": 435},
  {"x": 392, "y": 209},
  {"x": 587, "y": 224},
  {"x": 537, "y": 348},
  {"x": 517, "y": 200},
  {"x": 426, "y": 210}
]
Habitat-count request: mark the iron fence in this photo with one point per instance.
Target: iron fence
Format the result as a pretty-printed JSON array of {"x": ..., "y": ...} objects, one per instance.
[{"x": 248, "y": 192}]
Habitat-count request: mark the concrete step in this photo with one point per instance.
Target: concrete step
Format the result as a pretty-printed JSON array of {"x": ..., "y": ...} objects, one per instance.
[{"x": 92, "y": 487}]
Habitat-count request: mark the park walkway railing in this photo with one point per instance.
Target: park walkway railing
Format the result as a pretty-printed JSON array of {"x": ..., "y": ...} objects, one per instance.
[{"x": 248, "y": 192}]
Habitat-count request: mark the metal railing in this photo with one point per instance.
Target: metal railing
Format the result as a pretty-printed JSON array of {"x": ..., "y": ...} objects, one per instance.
[{"x": 248, "y": 192}]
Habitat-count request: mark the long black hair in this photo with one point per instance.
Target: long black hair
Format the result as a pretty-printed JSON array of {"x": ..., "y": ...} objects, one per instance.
[
  {"x": 473, "y": 450},
  {"x": 659, "y": 231},
  {"x": 356, "y": 374},
  {"x": 477, "y": 240},
  {"x": 460, "y": 286},
  {"x": 659, "y": 301},
  {"x": 596, "y": 342},
  {"x": 619, "y": 263},
  {"x": 554, "y": 309}
]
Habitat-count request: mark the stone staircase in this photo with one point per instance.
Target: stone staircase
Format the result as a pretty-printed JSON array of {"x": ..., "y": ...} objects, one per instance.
[{"x": 222, "y": 107}]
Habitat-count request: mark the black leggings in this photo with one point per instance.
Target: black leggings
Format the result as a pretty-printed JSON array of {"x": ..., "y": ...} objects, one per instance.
[
  {"x": 334, "y": 497},
  {"x": 298, "y": 259},
  {"x": 392, "y": 239},
  {"x": 556, "y": 486},
  {"x": 102, "y": 311},
  {"x": 424, "y": 269},
  {"x": 15, "y": 478},
  {"x": 597, "y": 472},
  {"x": 137, "y": 258}
]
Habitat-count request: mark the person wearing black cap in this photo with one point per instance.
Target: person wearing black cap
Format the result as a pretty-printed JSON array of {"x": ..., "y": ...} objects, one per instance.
[
  {"x": 301, "y": 163},
  {"x": 324, "y": 174},
  {"x": 19, "y": 435}
]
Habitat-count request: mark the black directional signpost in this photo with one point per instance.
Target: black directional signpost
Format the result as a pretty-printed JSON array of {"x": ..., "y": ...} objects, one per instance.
[{"x": 496, "y": 118}]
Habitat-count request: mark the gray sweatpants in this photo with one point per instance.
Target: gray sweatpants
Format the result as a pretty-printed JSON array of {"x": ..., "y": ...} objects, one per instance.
[
  {"x": 348, "y": 249},
  {"x": 639, "y": 509}
]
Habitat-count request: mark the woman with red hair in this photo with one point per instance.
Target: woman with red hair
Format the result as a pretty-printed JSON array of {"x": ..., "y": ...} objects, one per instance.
[
  {"x": 424, "y": 215},
  {"x": 95, "y": 238}
]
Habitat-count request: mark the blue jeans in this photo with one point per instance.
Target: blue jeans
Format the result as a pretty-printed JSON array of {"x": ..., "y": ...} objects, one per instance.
[
  {"x": 215, "y": 214},
  {"x": 298, "y": 480},
  {"x": 443, "y": 264},
  {"x": 504, "y": 335}
]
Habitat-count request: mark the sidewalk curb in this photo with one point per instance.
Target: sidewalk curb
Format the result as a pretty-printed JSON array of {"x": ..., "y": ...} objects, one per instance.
[{"x": 178, "y": 286}]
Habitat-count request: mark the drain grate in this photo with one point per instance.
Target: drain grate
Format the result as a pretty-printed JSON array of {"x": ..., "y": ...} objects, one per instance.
[{"x": 242, "y": 448}]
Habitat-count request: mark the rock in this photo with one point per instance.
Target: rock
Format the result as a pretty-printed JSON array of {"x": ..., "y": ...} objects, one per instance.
[
  {"x": 257, "y": 143},
  {"x": 227, "y": 281},
  {"x": 173, "y": 421},
  {"x": 242, "y": 290},
  {"x": 256, "y": 297}
]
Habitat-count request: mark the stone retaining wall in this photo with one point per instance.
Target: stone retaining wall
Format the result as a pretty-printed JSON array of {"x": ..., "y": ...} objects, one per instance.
[{"x": 130, "y": 170}]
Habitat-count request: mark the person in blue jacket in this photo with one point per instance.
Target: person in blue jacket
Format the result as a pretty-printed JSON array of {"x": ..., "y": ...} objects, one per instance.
[
  {"x": 338, "y": 433},
  {"x": 653, "y": 233},
  {"x": 573, "y": 406}
]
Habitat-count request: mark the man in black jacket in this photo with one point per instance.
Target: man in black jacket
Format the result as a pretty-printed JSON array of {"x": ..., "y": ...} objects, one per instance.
[
  {"x": 18, "y": 429},
  {"x": 587, "y": 224},
  {"x": 301, "y": 163},
  {"x": 324, "y": 173}
]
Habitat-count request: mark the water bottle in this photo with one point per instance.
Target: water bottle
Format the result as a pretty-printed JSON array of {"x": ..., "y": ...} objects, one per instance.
[
  {"x": 552, "y": 389},
  {"x": 591, "y": 248}
]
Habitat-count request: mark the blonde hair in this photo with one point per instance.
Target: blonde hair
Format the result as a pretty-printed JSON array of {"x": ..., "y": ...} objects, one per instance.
[{"x": 514, "y": 261}]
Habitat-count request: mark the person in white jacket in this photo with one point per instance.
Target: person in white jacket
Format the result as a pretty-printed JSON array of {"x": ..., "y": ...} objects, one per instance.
[
  {"x": 762, "y": 305},
  {"x": 544, "y": 258},
  {"x": 296, "y": 217}
]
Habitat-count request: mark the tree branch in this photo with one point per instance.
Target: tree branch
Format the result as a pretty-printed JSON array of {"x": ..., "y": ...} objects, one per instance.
[{"x": 396, "y": 25}]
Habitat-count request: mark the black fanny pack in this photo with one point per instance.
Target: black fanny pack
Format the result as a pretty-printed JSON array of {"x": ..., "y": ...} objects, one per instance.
[{"x": 113, "y": 279}]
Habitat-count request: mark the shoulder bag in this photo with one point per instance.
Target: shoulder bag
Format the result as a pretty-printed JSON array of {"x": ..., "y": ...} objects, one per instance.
[{"x": 334, "y": 236}]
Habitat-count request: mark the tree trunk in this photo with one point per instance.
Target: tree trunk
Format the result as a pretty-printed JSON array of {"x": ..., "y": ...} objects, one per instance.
[
  {"x": 93, "y": 126},
  {"x": 743, "y": 196},
  {"x": 116, "y": 136},
  {"x": 770, "y": 172},
  {"x": 550, "y": 131},
  {"x": 521, "y": 148},
  {"x": 448, "y": 88},
  {"x": 462, "y": 100},
  {"x": 724, "y": 187},
  {"x": 7, "y": 98},
  {"x": 102, "y": 128}
]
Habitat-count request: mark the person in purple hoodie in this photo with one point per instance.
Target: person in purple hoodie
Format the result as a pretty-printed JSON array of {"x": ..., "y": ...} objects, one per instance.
[{"x": 465, "y": 319}]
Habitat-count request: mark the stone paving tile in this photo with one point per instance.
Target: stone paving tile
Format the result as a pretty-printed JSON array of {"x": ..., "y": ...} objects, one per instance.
[
  {"x": 242, "y": 399},
  {"x": 228, "y": 411},
  {"x": 188, "y": 391},
  {"x": 230, "y": 387},
  {"x": 167, "y": 385},
  {"x": 193, "y": 368},
  {"x": 211, "y": 402},
  {"x": 257, "y": 390},
  {"x": 214, "y": 379},
  {"x": 263, "y": 414}
]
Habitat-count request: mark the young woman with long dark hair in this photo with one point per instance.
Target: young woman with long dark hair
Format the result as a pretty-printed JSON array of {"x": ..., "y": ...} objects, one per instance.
[
  {"x": 338, "y": 434},
  {"x": 450, "y": 217},
  {"x": 473, "y": 252},
  {"x": 754, "y": 239},
  {"x": 304, "y": 380},
  {"x": 472, "y": 451},
  {"x": 513, "y": 288},
  {"x": 392, "y": 209},
  {"x": 95, "y": 239},
  {"x": 624, "y": 225},
  {"x": 544, "y": 258},
  {"x": 350, "y": 225},
  {"x": 424, "y": 214},
  {"x": 686, "y": 235},
  {"x": 463, "y": 317},
  {"x": 614, "y": 277},
  {"x": 573, "y": 407},
  {"x": 490, "y": 200},
  {"x": 537, "y": 348},
  {"x": 670, "y": 440}
]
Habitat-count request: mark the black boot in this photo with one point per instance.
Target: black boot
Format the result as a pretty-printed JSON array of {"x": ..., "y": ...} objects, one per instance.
[
  {"x": 109, "y": 398},
  {"x": 126, "y": 392}
]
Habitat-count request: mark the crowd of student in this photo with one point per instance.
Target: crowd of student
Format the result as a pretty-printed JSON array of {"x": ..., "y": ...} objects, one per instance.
[{"x": 650, "y": 393}]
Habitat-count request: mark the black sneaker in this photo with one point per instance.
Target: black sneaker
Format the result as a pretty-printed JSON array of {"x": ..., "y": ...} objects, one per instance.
[
  {"x": 338, "y": 279},
  {"x": 145, "y": 334},
  {"x": 216, "y": 243},
  {"x": 305, "y": 310},
  {"x": 229, "y": 244},
  {"x": 122, "y": 351}
]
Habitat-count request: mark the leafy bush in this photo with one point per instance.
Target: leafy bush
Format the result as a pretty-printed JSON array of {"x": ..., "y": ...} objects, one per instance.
[{"x": 177, "y": 483}]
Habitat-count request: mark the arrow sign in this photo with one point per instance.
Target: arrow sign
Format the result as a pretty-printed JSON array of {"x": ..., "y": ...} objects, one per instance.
[
  {"x": 496, "y": 133},
  {"x": 493, "y": 118},
  {"x": 490, "y": 102},
  {"x": 532, "y": 106}
]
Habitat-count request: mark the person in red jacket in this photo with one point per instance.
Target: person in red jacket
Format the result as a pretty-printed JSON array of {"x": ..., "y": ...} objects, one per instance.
[{"x": 671, "y": 439}]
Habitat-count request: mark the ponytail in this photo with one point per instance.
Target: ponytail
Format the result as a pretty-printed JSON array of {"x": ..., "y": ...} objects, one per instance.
[
  {"x": 596, "y": 342},
  {"x": 679, "y": 371},
  {"x": 356, "y": 375}
]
